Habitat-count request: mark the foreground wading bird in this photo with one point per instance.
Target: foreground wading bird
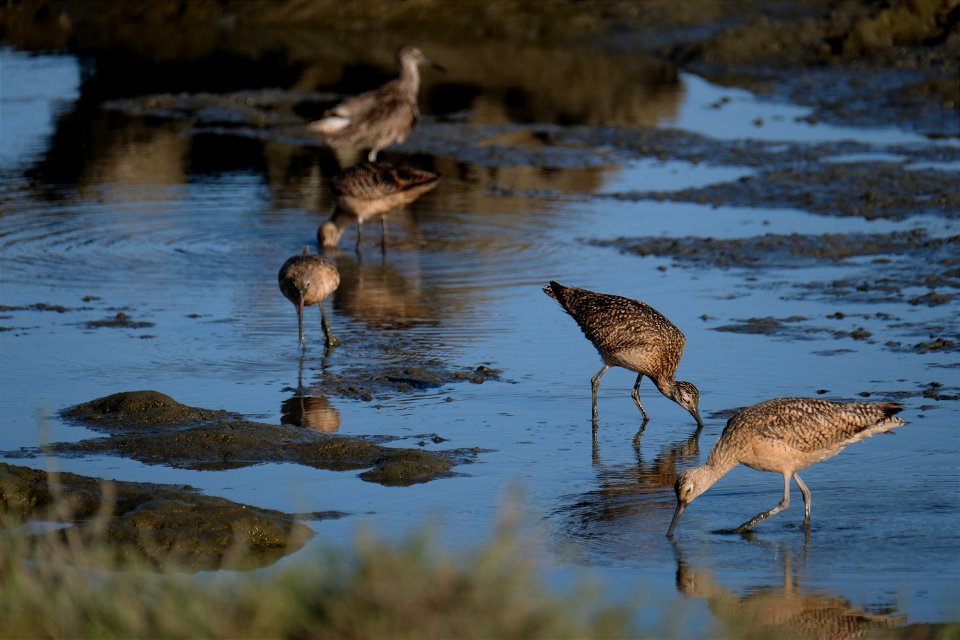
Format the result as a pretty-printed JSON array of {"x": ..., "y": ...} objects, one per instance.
[
  {"x": 308, "y": 279},
  {"x": 633, "y": 335},
  {"x": 376, "y": 119},
  {"x": 784, "y": 435},
  {"x": 371, "y": 189}
]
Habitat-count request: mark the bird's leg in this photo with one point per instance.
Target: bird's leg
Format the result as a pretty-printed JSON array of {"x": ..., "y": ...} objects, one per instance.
[
  {"x": 331, "y": 340},
  {"x": 760, "y": 517},
  {"x": 383, "y": 234},
  {"x": 806, "y": 499},
  {"x": 359, "y": 224},
  {"x": 636, "y": 397},
  {"x": 595, "y": 385}
]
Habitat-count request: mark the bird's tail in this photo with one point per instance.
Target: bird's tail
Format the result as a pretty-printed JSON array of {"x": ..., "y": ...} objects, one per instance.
[
  {"x": 555, "y": 290},
  {"x": 890, "y": 411},
  {"x": 329, "y": 126},
  {"x": 883, "y": 419}
]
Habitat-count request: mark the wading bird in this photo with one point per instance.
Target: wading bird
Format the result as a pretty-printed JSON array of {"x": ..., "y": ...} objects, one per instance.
[
  {"x": 376, "y": 119},
  {"x": 368, "y": 190},
  {"x": 633, "y": 335},
  {"x": 784, "y": 435},
  {"x": 306, "y": 280}
]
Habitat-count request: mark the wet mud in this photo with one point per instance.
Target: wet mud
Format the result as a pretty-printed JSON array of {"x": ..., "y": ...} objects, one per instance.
[
  {"x": 888, "y": 63},
  {"x": 165, "y": 526},
  {"x": 370, "y": 382},
  {"x": 152, "y": 428},
  {"x": 797, "y": 250},
  {"x": 869, "y": 190},
  {"x": 864, "y": 63},
  {"x": 119, "y": 321},
  {"x": 901, "y": 268}
]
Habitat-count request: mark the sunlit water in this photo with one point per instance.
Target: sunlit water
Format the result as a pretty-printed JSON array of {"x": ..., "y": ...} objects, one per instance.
[{"x": 195, "y": 250}]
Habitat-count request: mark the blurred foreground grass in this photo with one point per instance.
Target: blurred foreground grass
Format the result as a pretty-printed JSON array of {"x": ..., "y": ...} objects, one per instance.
[
  {"x": 55, "y": 584},
  {"x": 61, "y": 585},
  {"x": 67, "y": 581}
]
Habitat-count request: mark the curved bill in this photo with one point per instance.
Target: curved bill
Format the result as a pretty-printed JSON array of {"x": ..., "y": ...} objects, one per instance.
[
  {"x": 676, "y": 517},
  {"x": 300, "y": 316},
  {"x": 696, "y": 416}
]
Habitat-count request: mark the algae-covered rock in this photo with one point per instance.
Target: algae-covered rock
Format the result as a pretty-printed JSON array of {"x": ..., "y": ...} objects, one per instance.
[
  {"x": 153, "y": 428},
  {"x": 137, "y": 409}
]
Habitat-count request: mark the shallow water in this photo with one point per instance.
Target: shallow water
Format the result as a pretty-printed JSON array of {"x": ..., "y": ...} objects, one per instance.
[{"x": 104, "y": 211}]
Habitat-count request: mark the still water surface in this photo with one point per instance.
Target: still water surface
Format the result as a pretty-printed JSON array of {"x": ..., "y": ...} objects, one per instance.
[{"x": 185, "y": 229}]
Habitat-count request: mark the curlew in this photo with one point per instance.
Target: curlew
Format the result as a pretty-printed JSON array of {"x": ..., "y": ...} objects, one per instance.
[
  {"x": 633, "y": 335},
  {"x": 306, "y": 280},
  {"x": 376, "y": 119},
  {"x": 784, "y": 435},
  {"x": 371, "y": 189}
]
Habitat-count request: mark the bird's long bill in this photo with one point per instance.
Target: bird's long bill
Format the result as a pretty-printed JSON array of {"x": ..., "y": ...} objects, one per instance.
[
  {"x": 300, "y": 316},
  {"x": 438, "y": 67},
  {"x": 676, "y": 518},
  {"x": 696, "y": 416}
]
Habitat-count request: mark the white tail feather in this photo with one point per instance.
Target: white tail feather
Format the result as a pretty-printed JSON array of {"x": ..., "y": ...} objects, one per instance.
[{"x": 330, "y": 125}]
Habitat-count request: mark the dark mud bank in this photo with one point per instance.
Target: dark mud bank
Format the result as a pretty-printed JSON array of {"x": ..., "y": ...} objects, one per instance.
[
  {"x": 174, "y": 527},
  {"x": 155, "y": 429},
  {"x": 165, "y": 526}
]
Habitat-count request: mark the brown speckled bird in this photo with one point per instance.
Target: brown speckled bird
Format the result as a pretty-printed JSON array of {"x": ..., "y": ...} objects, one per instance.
[
  {"x": 785, "y": 435},
  {"x": 371, "y": 189},
  {"x": 376, "y": 119},
  {"x": 308, "y": 279},
  {"x": 633, "y": 335}
]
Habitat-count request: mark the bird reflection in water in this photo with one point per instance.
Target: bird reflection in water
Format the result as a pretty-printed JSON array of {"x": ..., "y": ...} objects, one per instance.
[
  {"x": 309, "y": 411},
  {"x": 633, "y": 490},
  {"x": 381, "y": 295},
  {"x": 781, "y": 610}
]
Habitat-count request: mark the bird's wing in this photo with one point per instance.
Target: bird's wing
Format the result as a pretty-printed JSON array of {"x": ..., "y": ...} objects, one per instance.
[
  {"x": 378, "y": 179},
  {"x": 812, "y": 424},
  {"x": 614, "y": 323},
  {"x": 355, "y": 107}
]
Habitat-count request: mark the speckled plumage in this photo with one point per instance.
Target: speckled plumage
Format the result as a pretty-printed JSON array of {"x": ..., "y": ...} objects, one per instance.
[
  {"x": 785, "y": 435},
  {"x": 376, "y": 119},
  {"x": 306, "y": 280},
  {"x": 633, "y": 335},
  {"x": 371, "y": 189}
]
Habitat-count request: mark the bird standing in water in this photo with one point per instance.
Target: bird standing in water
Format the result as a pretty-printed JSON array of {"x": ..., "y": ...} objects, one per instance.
[
  {"x": 633, "y": 335},
  {"x": 371, "y": 189},
  {"x": 785, "y": 435},
  {"x": 306, "y": 280},
  {"x": 376, "y": 119}
]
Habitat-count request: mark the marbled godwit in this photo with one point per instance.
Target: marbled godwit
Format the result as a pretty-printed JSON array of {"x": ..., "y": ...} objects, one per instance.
[
  {"x": 784, "y": 435},
  {"x": 633, "y": 335},
  {"x": 372, "y": 189},
  {"x": 308, "y": 279},
  {"x": 378, "y": 118}
]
